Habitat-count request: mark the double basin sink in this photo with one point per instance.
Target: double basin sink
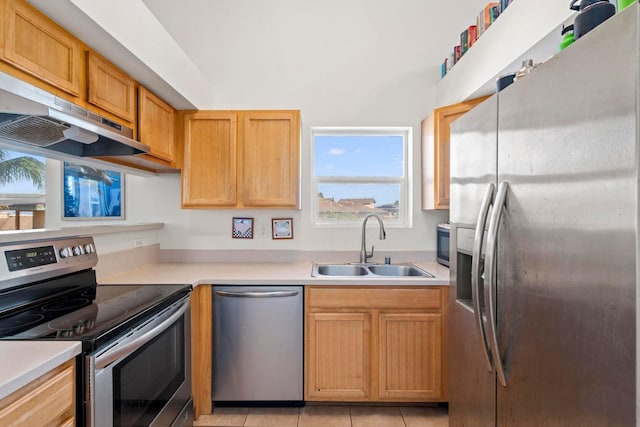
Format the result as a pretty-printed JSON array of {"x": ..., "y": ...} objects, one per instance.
[{"x": 368, "y": 270}]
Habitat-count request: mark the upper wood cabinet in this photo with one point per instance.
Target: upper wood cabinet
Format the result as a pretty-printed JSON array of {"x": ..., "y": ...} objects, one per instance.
[
  {"x": 270, "y": 159},
  {"x": 436, "y": 134},
  {"x": 241, "y": 159},
  {"x": 209, "y": 166},
  {"x": 374, "y": 344},
  {"x": 47, "y": 401},
  {"x": 156, "y": 125},
  {"x": 109, "y": 88},
  {"x": 36, "y": 45}
]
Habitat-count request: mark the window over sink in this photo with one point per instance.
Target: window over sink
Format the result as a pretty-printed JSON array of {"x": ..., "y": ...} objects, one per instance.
[{"x": 358, "y": 171}]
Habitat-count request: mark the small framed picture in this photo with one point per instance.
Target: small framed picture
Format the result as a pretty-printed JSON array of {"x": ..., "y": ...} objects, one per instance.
[
  {"x": 282, "y": 228},
  {"x": 242, "y": 228}
]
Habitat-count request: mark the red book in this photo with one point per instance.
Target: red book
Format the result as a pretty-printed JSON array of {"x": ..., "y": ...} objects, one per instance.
[{"x": 473, "y": 34}]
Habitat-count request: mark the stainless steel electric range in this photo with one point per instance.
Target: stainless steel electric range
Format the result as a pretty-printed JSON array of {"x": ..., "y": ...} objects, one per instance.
[{"x": 135, "y": 366}]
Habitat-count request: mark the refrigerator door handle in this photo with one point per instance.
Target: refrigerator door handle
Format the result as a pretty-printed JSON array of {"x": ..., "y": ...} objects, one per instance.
[
  {"x": 491, "y": 279},
  {"x": 475, "y": 271}
]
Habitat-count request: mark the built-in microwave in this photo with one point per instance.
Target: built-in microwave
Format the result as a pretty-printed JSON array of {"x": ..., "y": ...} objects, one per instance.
[{"x": 442, "y": 254}]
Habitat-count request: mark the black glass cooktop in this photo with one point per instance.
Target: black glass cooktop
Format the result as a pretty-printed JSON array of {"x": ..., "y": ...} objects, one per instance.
[{"x": 89, "y": 313}]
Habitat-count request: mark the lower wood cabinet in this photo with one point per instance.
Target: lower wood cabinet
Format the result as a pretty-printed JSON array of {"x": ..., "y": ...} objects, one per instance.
[
  {"x": 339, "y": 347},
  {"x": 374, "y": 344},
  {"x": 47, "y": 401},
  {"x": 410, "y": 351}
]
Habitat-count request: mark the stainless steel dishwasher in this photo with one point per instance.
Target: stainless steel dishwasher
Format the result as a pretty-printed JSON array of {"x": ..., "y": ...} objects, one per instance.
[{"x": 258, "y": 344}]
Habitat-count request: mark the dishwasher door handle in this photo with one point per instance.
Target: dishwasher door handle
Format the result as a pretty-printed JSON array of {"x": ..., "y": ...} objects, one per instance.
[{"x": 257, "y": 294}]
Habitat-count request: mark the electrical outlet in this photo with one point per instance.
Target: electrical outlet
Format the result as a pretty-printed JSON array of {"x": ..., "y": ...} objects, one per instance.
[
  {"x": 137, "y": 243},
  {"x": 263, "y": 230}
]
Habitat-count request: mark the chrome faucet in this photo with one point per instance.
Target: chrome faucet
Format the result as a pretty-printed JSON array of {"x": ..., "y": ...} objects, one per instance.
[{"x": 364, "y": 255}]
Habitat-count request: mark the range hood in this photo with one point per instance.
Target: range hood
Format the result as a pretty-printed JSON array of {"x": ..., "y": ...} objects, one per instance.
[{"x": 32, "y": 117}]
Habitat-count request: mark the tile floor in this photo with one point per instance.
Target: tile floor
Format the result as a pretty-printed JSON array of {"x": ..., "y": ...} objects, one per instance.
[{"x": 327, "y": 416}]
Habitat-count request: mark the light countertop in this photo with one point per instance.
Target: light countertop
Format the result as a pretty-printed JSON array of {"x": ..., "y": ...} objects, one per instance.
[
  {"x": 24, "y": 361},
  {"x": 298, "y": 273}
]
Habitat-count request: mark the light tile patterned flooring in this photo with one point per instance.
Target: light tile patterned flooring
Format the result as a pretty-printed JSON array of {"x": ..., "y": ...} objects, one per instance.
[{"x": 327, "y": 416}]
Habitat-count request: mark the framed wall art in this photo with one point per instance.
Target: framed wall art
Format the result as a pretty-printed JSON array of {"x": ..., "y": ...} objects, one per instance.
[
  {"x": 89, "y": 193},
  {"x": 242, "y": 228},
  {"x": 282, "y": 228}
]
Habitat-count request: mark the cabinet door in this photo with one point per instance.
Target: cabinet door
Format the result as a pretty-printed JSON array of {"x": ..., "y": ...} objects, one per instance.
[
  {"x": 209, "y": 166},
  {"x": 270, "y": 159},
  {"x": 338, "y": 358},
  {"x": 436, "y": 134},
  {"x": 49, "y": 400},
  {"x": 156, "y": 121},
  {"x": 410, "y": 356},
  {"x": 34, "y": 44},
  {"x": 110, "y": 88}
]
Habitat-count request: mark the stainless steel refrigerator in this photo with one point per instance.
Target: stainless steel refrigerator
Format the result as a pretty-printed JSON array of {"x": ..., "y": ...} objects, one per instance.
[{"x": 544, "y": 242}]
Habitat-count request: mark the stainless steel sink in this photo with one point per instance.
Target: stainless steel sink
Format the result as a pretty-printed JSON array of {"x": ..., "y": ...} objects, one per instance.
[
  {"x": 340, "y": 270},
  {"x": 367, "y": 270},
  {"x": 398, "y": 270}
]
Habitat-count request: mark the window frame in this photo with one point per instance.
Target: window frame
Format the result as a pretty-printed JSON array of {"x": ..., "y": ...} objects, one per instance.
[{"x": 405, "y": 181}]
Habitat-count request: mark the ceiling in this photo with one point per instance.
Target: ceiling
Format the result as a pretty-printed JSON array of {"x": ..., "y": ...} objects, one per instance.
[{"x": 252, "y": 44}]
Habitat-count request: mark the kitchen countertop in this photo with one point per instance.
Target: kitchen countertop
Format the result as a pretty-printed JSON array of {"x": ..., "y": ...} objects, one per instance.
[
  {"x": 24, "y": 361},
  {"x": 298, "y": 273}
]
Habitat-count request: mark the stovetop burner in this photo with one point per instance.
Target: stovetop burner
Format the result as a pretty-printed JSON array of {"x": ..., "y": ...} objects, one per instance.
[
  {"x": 65, "y": 305},
  {"x": 19, "y": 322},
  {"x": 86, "y": 318}
]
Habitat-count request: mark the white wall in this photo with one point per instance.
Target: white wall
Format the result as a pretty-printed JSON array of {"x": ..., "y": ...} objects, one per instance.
[{"x": 360, "y": 63}]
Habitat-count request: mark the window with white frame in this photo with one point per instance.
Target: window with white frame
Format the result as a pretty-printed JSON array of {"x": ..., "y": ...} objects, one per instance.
[{"x": 360, "y": 171}]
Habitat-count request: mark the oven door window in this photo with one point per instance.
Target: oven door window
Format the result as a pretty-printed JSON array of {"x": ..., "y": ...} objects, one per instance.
[{"x": 145, "y": 381}]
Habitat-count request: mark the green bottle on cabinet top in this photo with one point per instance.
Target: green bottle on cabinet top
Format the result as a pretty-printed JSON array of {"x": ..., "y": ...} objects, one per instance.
[
  {"x": 567, "y": 36},
  {"x": 624, "y": 3}
]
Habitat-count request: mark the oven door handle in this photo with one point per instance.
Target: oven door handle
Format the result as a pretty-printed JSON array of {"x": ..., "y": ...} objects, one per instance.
[{"x": 119, "y": 352}]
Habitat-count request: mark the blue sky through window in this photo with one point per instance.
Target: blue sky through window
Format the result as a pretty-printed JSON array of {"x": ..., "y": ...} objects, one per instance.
[
  {"x": 368, "y": 156},
  {"x": 354, "y": 155}
]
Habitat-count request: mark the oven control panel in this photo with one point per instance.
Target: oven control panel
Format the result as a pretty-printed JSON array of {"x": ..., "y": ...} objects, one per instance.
[
  {"x": 24, "y": 262},
  {"x": 21, "y": 259}
]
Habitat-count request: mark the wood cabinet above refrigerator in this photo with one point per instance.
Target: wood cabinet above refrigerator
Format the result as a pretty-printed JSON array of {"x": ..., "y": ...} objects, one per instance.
[{"x": 435, "y": 153}]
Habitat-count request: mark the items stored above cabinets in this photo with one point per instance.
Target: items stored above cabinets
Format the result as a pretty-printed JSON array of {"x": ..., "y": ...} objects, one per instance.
[
  {"x": 435, "y": 153},
  {"x": 241, "y": 159},
  {"x": 369, "y": 344}
]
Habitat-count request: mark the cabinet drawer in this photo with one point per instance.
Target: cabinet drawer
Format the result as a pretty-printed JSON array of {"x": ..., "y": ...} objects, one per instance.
[
  {"x": 372, "y": 297},
  {"x": 48, "y": 400}
]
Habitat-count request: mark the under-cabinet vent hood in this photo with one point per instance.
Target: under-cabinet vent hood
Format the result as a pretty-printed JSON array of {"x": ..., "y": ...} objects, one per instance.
[{"x": 34, "y": 117}]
